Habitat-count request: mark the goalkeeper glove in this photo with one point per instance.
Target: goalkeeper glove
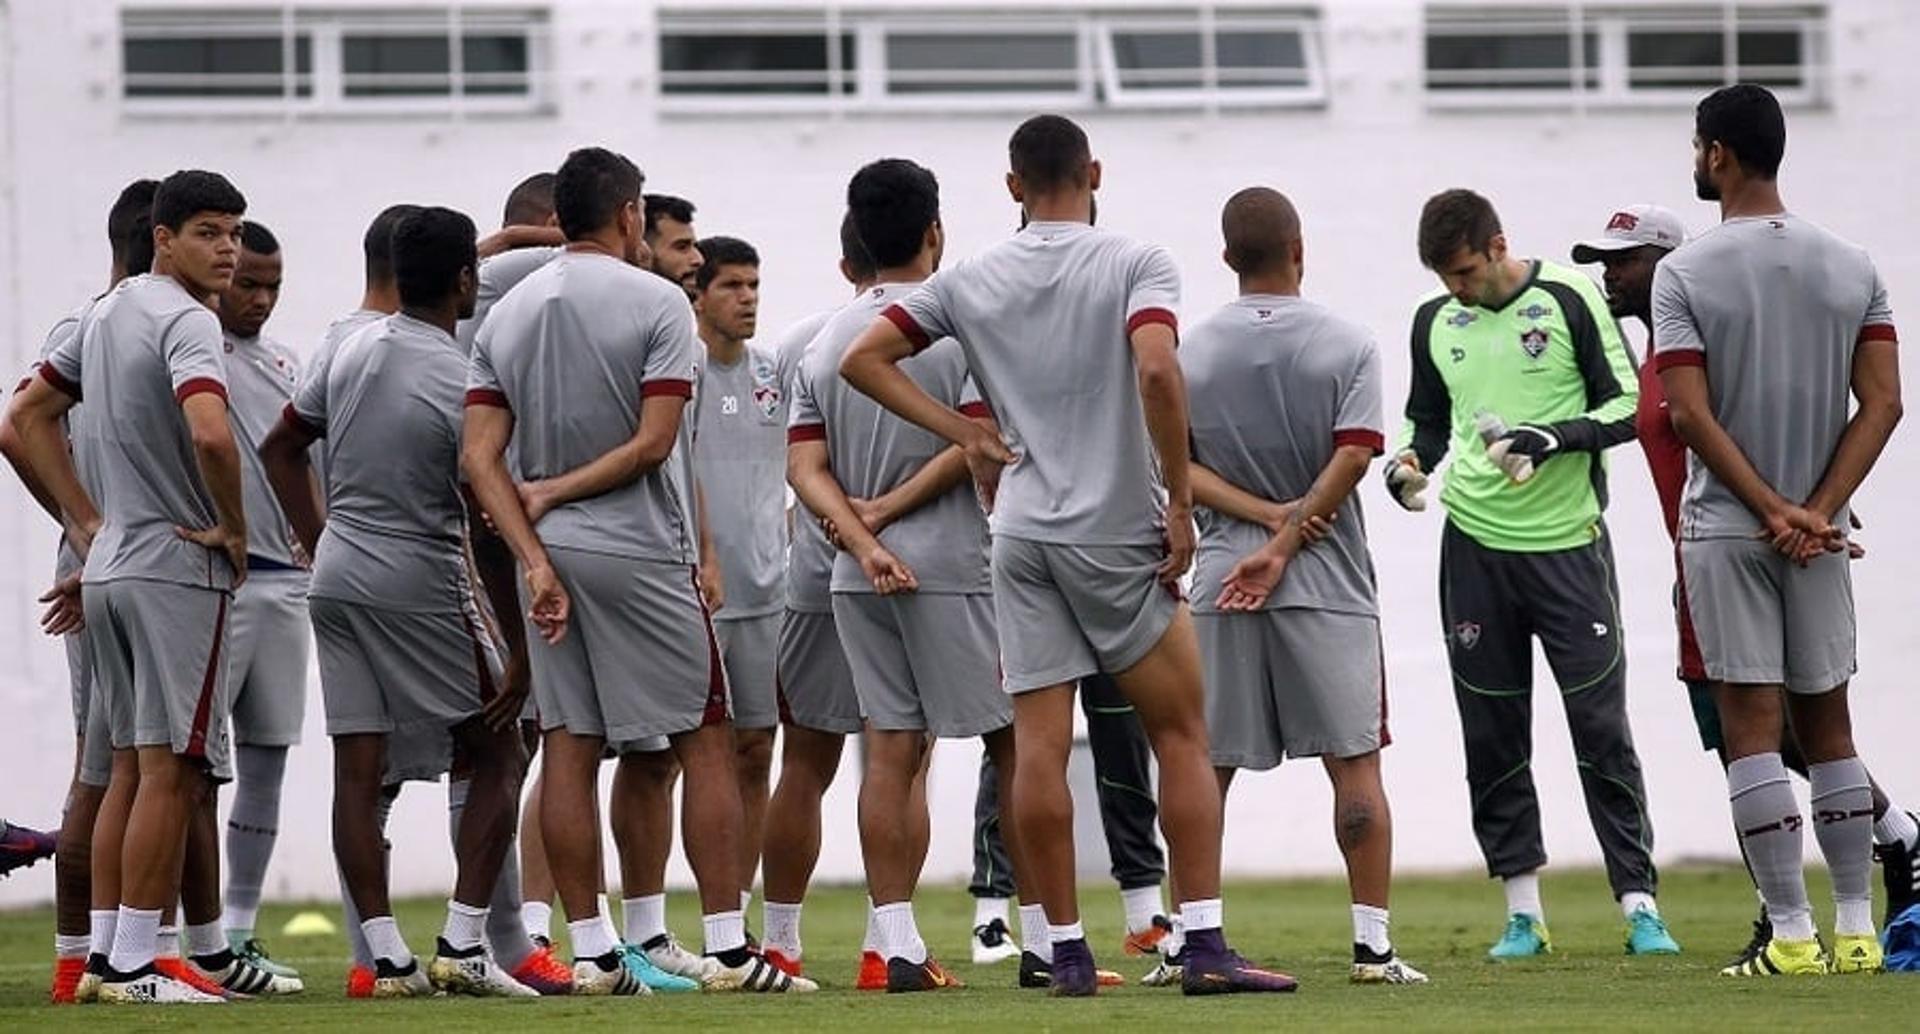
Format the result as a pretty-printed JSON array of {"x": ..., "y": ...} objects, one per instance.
[
  {"x": 1520, "y": 451},
  {"x": 1406, "y": 481}
]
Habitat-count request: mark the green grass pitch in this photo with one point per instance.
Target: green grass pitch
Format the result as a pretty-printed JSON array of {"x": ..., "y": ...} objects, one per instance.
[{"x": 1442, "y": 924}]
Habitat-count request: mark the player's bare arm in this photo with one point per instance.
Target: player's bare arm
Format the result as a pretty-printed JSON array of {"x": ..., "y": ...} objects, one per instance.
[
  {"x": 1222, "y": 496},
  {"x": 1787, "y": 525},
  {"x": 934, "y": 479},
  {"x": 618, "y": 467},
  {"x": 1163, "y": 395},
  {"x": 10, "y": 448},
  {"x": 290, "y": 475},
  {"x": 40, "y": 441},
  {"x": 871, "y": 365},
  {"x": 483, "y": 448},
  {"x": 219, "y": 462},
  {"x": 513, "y": 238},
  {"x": 1255, "y": 577},
  {"x": 1875, "y": 382},
  {"x": 810, "y": 472}
]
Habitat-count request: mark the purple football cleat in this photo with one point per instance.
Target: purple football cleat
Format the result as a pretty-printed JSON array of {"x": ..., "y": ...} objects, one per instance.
[
  {"x": 1074, "y": 975},
  {"x": 1214, "y": 969},
  {"x": 20, "y": 846}
]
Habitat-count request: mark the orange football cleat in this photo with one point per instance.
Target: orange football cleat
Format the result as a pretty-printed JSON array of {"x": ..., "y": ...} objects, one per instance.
[
  {"x": 873, "y": 972},
  {"x": 360, "y": 981},
  {"x": 545, "y": 974},
  {"x": 66, "y": 977},
  {"x": 779, "y": 960},
  {"x": 173, "y": 966},
  {"x": 1147, "y": 942}
]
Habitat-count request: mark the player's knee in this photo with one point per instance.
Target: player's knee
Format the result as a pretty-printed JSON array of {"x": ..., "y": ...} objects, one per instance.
[
  {"x": 754, "y": 753},
  {"x": 1353, "y": 822}
]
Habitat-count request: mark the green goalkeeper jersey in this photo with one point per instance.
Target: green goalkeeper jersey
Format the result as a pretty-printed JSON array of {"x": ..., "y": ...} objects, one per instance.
[{"x": 1550, "y": 356}]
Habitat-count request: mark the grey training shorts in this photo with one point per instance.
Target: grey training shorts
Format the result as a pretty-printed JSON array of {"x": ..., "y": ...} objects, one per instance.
[
  {"x": 1293, "y": 682},
  {"x": 1064, "y": 612},
  {"x": 89, "y": 721},
  {"x": 159, "y": 665},
  {"x": 267, "y": 648},
  {"x": 816, "y": 684},
  {"x": 750, "y": 651},
  {"x": 385, "y": 671},
  {"x": 1761, "y": 620},
  {"x": 924, "y": 662}
]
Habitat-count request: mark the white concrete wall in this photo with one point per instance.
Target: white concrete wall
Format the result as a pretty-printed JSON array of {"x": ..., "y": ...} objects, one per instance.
[{"x": 1359, "y": 170}]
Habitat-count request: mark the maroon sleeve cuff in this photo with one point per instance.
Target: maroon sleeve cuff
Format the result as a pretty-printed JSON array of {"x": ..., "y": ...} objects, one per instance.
[
  {"x": 675, "y": 388},
  {"x": 292, "y": 418},
  {"x": 1149, "y": 316},
  {"x": 1879, "y": 332},
  {"x": 61, "y": 384},
  {"x": 487, "y": 397},
  {"x": 903, "y": 319},
  {"x": 1679, "y": 357},
  {"x": 976, "y": 410},
  {"x": 199, "y": 386},
  {"x": 806, "y": 433},
  {"x": 1373, "y": 440}
]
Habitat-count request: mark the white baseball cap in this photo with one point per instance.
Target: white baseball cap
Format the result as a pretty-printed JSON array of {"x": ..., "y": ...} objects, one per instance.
[{"x": 1632, "y": 227}]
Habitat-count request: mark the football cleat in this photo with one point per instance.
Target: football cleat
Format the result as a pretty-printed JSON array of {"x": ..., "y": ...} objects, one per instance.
[
  {"x": 780, "y": 960},
  {"x": 149, "y": 986},
  {"x": 606, "y": 975},
  {"x": 66, "y": 979},
  {"x": 1524, "y": 937},
  {"x": 548, "y": 976},
  {"x": 755, "y": 976},
  {"x": 1782, "y": 958},
  {"x": 873, "y": 972},
  {"x": 21, "y": 847},
  {"x": 1857, "y": 953},
  {"x": 1225, "y": 972},
  {"x": 237, "y": 975},
  {"x": 1147, "y": 941},
  {"x": 1036, "y": 972},
  {"x": 665, "y": 952},
  {"x": 1900, "y": 871},
  {"x": 249, "y": 947},
  {"x": 408, "y": 981},
  {"x": 359, "y": 981},
  {"x": 173, "y": 967},
  {"x": 1647, "y": 934},
  {"x": 993, "y": 942},
  {"x": 1762, "y": 933},
  {"x": 903, "y": 976},
  {"x": 1371, "y": 967},
  {"x": 1166, "y": 972},
  {"x": 1072, "y": 974},
  {"x": 87, "y": 990},
  {"x": 653, "y": 976},
  {"x": 473, "y": 973}
]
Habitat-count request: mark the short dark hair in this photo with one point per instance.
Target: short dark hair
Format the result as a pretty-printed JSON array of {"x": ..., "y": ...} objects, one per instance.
[
  {"x": 590, "y": 187},
  {"x": 893, "y": 201},
  {"x": 531, "y": 202},
  {"x": 130, "y": 227},
  {"x": 377, "y": 244},
  {"x": 1048, "y": 152},
  {"x": 853, "y": 252},
  {"x": 430, "y": 248},
  {"x": 1455, "y": 219},
  {"x": 716, "y": 252},
  {"x": 666, "y": 206},
  {"x": 189, "y": 192},
  {"x": 1746, "y": 119},
  {"x": 1258, "y": 224},
  {"x": 255, "y": 237}
]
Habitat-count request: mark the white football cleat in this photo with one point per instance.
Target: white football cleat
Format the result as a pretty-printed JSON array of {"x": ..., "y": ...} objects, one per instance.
[
  {"x": 477, "y": 976},
  {"x": 151, "y": 987}
]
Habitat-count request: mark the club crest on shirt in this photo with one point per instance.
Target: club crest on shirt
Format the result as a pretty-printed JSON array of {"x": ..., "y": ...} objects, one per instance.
[
  {"x": 766, "y": 387},
  {"x": 1467, "y": 634},
  {"x": 1533, "y": 341},
  {"x": 1461, "y": 317}
]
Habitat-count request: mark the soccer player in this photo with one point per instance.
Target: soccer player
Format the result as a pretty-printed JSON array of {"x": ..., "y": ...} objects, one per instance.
[
  {"x": 1286, "y": 418},
  {"x": 399, "y": 636},
  {"x": 267, "y": 642},
  {"x": 818, "y": 705},
  {"x": 1069, "y": 333},
  {"x": 739, "y": 458},
  {"x": 673, "y": 250},
  {"x": 1636, "y": 238},
  {"x": 130, "y": 238},
  {"x": 162, "y": 531},
  {"x": 1777, "y": 350},
  {"x": 1520, "y": 374},
  {"x": 915, "y": 613},
  {"x": 624, "y": 650},
  {"x": 531, "y": 241}
]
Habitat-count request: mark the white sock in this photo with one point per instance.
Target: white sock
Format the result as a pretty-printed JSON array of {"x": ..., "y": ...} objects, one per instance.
[
  {"x": 1896, "y": 827},
  {"x": 781, "y": 924},
  {"x": 591, "y": 937},
  {"x": 71, "y": 945},
  {"x": 1202, "y": 915},
  {"x": 100, "y": 929},
  {"x": 205, "y": 939},
  {"x": 1635, "y": 900},
  {"x": 1523, "y": 896},
  {"x": 1141, "y": 905},
  {"x": 384, "y": 940},
  {"x": 1057, "y": 934},
  {"x": 166, "y": 942},
  {"x": 986, "y": 910},
  {"x": 1853, "y": 917},
  {"x": 135, "y": 931},
  {"x": 466, "y": 927},
  {"x": 643, "y": 918},
  {"x": 872, "y": 941},
  {"x": 239, "y": 918},
  {"x": 725, "y": 931},
  {"x": 537, "y": 917},
  {"x": 1033, "y": 931},
  {"x": 1370, "y": 929},
  {"x": 899, "y": 935}
]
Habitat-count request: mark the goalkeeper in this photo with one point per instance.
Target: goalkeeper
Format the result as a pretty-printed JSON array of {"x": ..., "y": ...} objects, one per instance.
[{"x": 1520, "y": 372}]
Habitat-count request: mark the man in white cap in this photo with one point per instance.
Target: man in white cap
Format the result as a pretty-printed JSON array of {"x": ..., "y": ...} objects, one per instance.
[{"x": 1637, "y": 237}]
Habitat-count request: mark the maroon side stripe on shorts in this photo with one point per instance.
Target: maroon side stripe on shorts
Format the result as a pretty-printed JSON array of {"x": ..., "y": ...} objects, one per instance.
[
  {"x": 1386, "y": 737},
  {"x": 203, "y": 711}
]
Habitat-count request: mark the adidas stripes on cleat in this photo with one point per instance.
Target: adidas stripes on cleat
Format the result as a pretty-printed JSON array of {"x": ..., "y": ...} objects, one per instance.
[
  {"x": 606, "y": 975},
  {"x": 240, "y": 976},
  {"x": 1782, "y": 958},
  {"x": 755, "y": 976}
]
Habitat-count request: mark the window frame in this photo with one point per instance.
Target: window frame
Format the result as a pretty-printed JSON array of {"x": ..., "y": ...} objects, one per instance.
[{"x": 1209, "y": 24}]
